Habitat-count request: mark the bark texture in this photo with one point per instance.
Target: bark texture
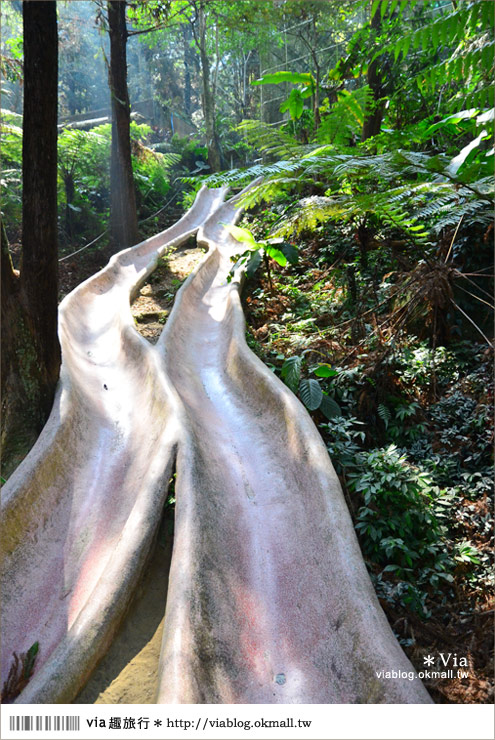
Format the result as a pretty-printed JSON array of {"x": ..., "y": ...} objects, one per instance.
[
  {"x": 214, "y": 156},
  {"x": 373, "y": 120},
  {"x": 123, "y": 215},
  {"x": 30, "y": 347}
]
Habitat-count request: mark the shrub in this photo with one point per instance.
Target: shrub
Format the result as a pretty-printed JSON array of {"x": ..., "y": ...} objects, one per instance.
[{"x": 399, "y": 524}]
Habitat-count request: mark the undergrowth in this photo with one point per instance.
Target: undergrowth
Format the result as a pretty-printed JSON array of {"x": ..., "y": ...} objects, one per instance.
[{"x": 404, "y": 405}]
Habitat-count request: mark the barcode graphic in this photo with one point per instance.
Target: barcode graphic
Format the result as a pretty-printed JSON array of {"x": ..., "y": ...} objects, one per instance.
[{"x": 62, "y": 723}]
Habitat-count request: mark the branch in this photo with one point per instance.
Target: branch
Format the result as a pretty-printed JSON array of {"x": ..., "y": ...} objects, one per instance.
[
  {"x": 147, "y": 30},
  {"x": 473, "y": 323}
]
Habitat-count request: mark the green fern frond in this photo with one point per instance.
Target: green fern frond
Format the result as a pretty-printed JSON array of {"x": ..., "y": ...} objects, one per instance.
[
  {"x": 345, "y": 118},
  {"x": 268, "y": 139}
]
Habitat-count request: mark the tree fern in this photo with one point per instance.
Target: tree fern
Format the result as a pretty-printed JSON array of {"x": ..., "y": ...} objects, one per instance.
[
  {"x": 466, "y": 34},
  {"x": 268, "y": 139},
  {"x": 344, "y": 120}
]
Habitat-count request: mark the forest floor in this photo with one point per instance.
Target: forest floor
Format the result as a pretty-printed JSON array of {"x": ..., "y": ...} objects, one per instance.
[
  {"x": 459, "y": 624},
  {"x": 284, "y": 319},
  {"x": 128, "y": 673},
  {"x": 295, "y": 313}
]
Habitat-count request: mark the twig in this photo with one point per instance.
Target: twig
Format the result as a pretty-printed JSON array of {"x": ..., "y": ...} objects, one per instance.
[
  {"x": 462, "y": 274},
  {"x": 453, "y": 239},
  {"x": 476, "y": 296},
  {"x": 473, "y": 323}
]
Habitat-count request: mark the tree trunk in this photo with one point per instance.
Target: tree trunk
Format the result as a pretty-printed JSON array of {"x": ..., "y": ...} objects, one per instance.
[
  {"x": 214, "y": 156},
  {"x": 123, "y": 215},
  {"x": 373, "y": 119},
  {"x": 316, "y": 97},
  {"x": 186, "y": 37},
  {"x": 30, "y": 347}
]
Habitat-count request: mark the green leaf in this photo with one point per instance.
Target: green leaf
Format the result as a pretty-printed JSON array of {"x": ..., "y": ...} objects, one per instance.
[
  {"x": 297, "y": 78},
  {"x": 306, "y": 92},
  {"x": 310, "y": 393},
  {"x": 253, "y": 263},
  {"x": 462, "y": 115},
  {"x": 384, "y": 414},
  {"x": 325, "y": 371},
  {"x": 456, "y": 163},
  {"x": 291, "y": 252},
  {"x": 242, "y": 235},
  {"x": 276, "y": 254},
  {"x": 30, "y": 659},
  {"x": 294, "y": 104},
  {"x": 329, "y": 407},
  {"x": 291, "y": 371},
  {"x": 33, "y": 650}
]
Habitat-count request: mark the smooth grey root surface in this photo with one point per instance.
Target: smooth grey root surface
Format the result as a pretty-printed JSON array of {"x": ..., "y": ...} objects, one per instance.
[
  {"x": 80, "y": 513},
  {"x": 269, "y": 600}
]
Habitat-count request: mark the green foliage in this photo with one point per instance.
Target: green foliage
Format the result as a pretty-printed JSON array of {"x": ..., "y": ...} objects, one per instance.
[
  {"x": 304, "y": 78},
  {"x": 466, "y": 35},
  {"x": 342, "y": 122},
  {"x": 310, "y": 391},
  {"x": 398, "y": 524},
  {"x": 291, "y": 371},
  {"x": 295, "y": 102},
  {"x": 345, "y": 441},
  {"x": 11, "y": 176},
  {"x": 193, "y": 155},
  {"x": 272, "y": 247},
  {"x": 84, "y": 175},
  {"x": 430, "y": 196},
  {"x": 466, "y": 553}
]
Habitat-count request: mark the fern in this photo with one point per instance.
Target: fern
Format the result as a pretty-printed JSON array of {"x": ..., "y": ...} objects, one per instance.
[
  {"x": 467, "y": 32},
  {"x": 345, "y": 118},
  {"x": 413, "y": 207},
  {"x": 268, "y": 139},
  {"x": 384, "y": 414}
]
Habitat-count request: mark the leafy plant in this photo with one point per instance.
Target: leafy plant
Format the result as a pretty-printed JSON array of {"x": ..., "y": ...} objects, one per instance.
[
  {"x": 270, "y": 248},
  {"x": 397, "y": 523},
  {"x": 346, "y": 437},
  {"x": 20, "y": 672},
  {"x": 466, "y": 553},
  {"x": 309, "y": 390},
  {"x": 295, "y": 102}
]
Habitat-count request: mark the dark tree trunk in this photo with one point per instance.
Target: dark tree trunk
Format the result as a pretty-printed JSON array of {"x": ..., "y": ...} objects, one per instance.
[
  {"x": 186, "y": 36},
  {"x": 123, "y": 215},
  {"x": 214, "y": 156},
  {"x": 373, "y": 119},
  {"x": 30, "y": 347}
]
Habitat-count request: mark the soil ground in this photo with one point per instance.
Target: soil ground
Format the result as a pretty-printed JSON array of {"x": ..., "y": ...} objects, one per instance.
[
  {"x": 128, "y": 673},
  {"x": 154, "y": 302}
]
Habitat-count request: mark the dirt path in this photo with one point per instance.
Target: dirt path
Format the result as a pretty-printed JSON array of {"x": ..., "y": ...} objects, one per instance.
[
  {"x": 154, "y": 302},
  {"x": 128, "y": 673}
]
